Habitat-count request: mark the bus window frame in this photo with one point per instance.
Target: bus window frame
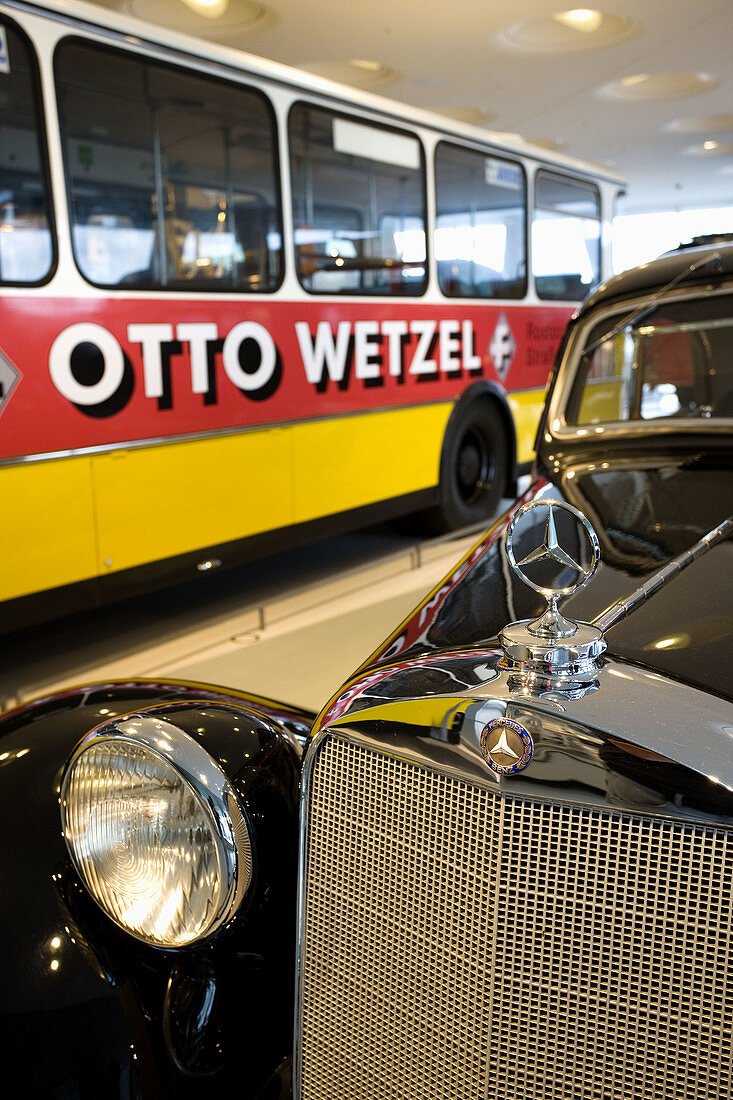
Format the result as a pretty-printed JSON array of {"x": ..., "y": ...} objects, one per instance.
[
  {"x": 223, "y": 80},
  {"x": 367, "y": 120},
  {"x": 43, "y": 155},
  {"x": 566, "y": 177},
  {"x": 486, "y": 151}
]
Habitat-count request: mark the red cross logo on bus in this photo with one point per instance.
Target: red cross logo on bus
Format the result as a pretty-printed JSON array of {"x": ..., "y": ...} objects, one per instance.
[{"x": 502, "y": 347}]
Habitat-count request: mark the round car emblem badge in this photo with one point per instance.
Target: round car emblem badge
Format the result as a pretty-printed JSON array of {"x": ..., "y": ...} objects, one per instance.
[{"x": 506, "y": 746}]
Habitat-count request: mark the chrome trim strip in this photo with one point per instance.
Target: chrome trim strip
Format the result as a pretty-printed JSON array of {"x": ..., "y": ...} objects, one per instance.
[
  {"x": 642, "y": 429},
  {"x": 306, "y": 781},
  {"x": 687, "y": 326}
]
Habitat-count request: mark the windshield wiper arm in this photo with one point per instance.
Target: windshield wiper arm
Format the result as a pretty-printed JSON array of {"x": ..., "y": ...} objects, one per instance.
[
  {"x": 651, "y": 305},
  {"x": 619, "y": 610}
]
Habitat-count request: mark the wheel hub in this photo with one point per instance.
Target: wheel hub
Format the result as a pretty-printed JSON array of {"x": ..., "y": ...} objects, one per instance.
[{"x": 472, "y": 468}]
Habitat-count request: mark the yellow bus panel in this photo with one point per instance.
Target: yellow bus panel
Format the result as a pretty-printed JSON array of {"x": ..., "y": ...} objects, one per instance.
[
  {"x": 51, "y": 540},
  {"x": 526, "y": 409},
  {"x": 351, "y": 461},
  {"x": 156, "y": 502},
  {"x": 145, "y": 504}
]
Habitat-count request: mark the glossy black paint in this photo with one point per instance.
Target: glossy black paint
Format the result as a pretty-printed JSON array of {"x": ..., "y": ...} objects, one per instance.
[
  {"x": 695, "y": 267},
  {"x": 649, "y": 495},
  {"x": 90, "y": 1012}
]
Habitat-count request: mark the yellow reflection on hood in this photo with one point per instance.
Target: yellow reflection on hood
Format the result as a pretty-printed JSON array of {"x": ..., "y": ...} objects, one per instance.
[{"x": 676, "y": 641}]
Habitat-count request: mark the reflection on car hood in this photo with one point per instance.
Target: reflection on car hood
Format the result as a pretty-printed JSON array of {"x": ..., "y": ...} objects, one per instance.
[{"x": 644, "y": 517}]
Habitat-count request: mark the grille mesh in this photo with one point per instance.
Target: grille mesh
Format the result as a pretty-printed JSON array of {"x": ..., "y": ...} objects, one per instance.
[{"x": 461, "y": 944}]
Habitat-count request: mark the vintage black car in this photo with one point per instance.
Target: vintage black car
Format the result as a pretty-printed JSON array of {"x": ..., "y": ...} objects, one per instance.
[{"x": 498, "y": 864}]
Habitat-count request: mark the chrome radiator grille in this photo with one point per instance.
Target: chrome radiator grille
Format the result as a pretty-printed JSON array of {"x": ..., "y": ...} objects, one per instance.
[{"x": 460, "y": 944}]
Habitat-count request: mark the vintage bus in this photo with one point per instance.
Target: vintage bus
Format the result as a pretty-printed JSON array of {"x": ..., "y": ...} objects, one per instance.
[{"x": 243, "y": 306}]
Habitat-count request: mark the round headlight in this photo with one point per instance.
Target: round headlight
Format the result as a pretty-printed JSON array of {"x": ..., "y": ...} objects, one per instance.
[{"x": 155, "y": 831}]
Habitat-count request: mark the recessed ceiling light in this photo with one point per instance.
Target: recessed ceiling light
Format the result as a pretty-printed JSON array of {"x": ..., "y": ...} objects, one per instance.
[
  {"x": 474, "y": 116},
  {"x": 370, "y": 66},
  {"x": 554, "y": 144},
  {"x": 585, "y": 20},
  {"x": 658, "y": 86},
  {"x": 634, "y": 81},
  {"x": 706, "y": 124},
  {"x": 574, "y": 29},
  {"x": 210, "y": 9},
  {"x": 212, "y": 19},
  {"x": 358, "y": 74},
  {"x": 509, "y": 135},
  {"x": 711, "y": 149}
]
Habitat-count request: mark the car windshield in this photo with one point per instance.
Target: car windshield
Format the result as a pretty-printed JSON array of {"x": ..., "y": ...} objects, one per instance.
[{"x": 676, "y": 361}]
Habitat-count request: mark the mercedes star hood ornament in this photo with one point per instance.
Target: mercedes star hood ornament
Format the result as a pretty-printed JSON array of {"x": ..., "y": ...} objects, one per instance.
[{"x": 553, "y": 648}]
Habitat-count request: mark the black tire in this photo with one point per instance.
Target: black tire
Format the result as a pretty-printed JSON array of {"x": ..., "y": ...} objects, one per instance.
[{"x": 473, "y": 469}]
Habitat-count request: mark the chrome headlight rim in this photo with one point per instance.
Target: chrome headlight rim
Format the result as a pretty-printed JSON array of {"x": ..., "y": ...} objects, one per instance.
[{"x": 206, "y": 780}]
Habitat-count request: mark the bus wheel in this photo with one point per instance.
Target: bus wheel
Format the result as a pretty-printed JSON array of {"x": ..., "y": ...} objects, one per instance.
[{"x": 473, "y": 469}]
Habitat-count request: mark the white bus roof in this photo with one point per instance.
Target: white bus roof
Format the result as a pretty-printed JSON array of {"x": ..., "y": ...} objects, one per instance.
[{"x": 137, "y": 32}]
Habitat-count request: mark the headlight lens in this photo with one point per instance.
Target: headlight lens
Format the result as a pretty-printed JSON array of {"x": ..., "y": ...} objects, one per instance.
[{"x": 155, "y": 831}]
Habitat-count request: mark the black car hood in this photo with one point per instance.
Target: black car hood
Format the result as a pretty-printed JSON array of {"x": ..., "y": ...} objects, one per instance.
[{"x": 645, "y": 514}]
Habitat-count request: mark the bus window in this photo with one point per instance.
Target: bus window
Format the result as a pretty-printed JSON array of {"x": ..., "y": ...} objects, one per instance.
[
  {"x": 172, "y": 176},
  {"x": 566, "y": 238},
  {"x": 338, "y": 228},
  {"x": 26, "y": 247},
  {"x": 358, "y": 205},
  {"x": 480, "y": 236}
]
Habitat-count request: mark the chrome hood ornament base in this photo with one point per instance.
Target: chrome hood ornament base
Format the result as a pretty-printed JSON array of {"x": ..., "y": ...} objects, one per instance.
[
  {"x": 552, "y": 649},
  {"x": 552, "y": 652}
]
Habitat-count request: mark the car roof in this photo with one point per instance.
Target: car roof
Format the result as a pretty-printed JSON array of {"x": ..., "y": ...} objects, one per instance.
[{"x": 689, "y": 264}]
